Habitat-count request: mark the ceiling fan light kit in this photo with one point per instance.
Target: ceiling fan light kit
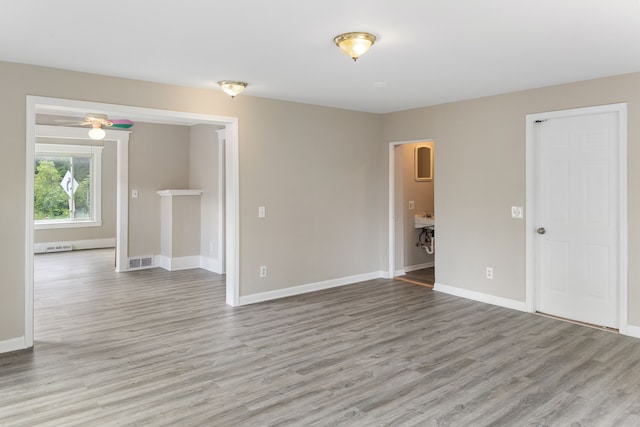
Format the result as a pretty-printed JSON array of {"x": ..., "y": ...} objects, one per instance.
[
  {"x": 96, "y": 131},
  {"x": 98, "y": 121},
  {"x": 232, "y": 88},
  {"x": 355, "y": 44}
]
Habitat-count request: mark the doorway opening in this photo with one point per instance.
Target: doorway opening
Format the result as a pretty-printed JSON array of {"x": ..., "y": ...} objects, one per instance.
[
  {"x": 228, "y": 137},
  {"x": 576, "y": 215},
  {"x": 412, "y": 212}
]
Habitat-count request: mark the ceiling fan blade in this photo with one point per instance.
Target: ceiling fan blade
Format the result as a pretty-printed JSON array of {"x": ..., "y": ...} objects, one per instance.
[
  {"x": 121, "y": 124},
  {"x": 71, "y": 122}
]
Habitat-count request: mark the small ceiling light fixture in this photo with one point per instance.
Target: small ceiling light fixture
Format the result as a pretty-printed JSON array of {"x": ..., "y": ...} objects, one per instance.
[
  {"x": 355, "y": 44},
  {"x": 96, "y": 131},
  {"x": 232, "y": 88}
]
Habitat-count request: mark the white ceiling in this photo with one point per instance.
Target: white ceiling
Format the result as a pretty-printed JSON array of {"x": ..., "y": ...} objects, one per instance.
[{"x": 428, "y": 51}]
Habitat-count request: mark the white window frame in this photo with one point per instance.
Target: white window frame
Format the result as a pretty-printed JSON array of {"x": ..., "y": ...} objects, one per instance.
[{"x": 95, "y": 154}]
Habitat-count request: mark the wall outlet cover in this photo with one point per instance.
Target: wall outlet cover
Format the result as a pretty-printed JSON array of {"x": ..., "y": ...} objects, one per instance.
[{"x": 517, "y": 212}]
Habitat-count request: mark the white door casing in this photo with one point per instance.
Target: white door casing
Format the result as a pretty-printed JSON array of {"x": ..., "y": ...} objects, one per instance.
[
  {"x": 232, "y": 191},
  {"x": 577, "y": 193}
]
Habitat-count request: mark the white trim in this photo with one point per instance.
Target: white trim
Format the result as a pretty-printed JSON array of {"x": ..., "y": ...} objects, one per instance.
[
  {"x": 211, "y": 264},
  {"x": 631, "y": 330},
  {"x": 30, "y": 151},
  {"x": 95, "y": 156},
  {"x": 13, "y": 344},
  {"x": 392, "y": 216},
  {"x": 177, "y": 263},
  {"x": 77, "y": 245},
  {"x": 57, "y": 106},
  {"x": 167, "y": 193},
  {"x": 481, "y": 297},
  {"x": 221, "y": 201},
  {"x": 310, "y": 287},
  {"x": 122, "y": 204},
  {"x": 55, "y": 225},
  {"x": 419, "y": 266},
  {"x": 399, "y": 273},
  {"x": 530, "y": 215},
  {"x": 232, "y": 214}
]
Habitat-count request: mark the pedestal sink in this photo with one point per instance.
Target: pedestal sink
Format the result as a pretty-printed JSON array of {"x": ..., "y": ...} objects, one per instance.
[{"x": 421, "y": 221}]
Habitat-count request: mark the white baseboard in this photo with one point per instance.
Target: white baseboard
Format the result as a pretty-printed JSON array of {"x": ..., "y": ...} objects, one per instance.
[
  {"x": 419, "y": 266},
  {"x": 631, "y": 331},
  {"x": 310, "y": 287},
  {"x": 399, "y": 273},
  {"x": 383, "y": 274},
  {"x": 211, "y": 264},
  {"x": 480, "y": 297},
  {"x": 13, "y": 344},
  {"x": 177, "y": 263},
  {"x": 77, "y": 245}
]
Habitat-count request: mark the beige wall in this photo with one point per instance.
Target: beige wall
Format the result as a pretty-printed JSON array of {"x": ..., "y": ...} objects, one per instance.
[
  {"x": 108, "y": 201},
  {"x": 322, "y": 175},
  {"x": 421, "y": 192},
  {"x": 316, "y": 169},
  {"x": 158, "y": 160},
  {"x": 481, "y": 174},
  {"x": 317, "y": 172}
]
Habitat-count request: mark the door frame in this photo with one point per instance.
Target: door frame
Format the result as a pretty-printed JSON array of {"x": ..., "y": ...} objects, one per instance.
[
  {"x": 390, "y": 274},
  {"x": 531, "y": 220},
  {"x": 36, "y": 104}
]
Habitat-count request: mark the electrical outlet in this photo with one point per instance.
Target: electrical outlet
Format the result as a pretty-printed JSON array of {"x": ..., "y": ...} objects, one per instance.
[
  {"x": 516, "y": 212},
  {"x": 263, "y": 271},
  {"x": 489, "y": 273}
]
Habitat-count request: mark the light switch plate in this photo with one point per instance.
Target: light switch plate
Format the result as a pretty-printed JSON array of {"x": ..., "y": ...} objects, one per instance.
[
  {"x": 261, "y": 212},
  {"x": 134, "y": 194},
  {"x": 412, "y": 204}
]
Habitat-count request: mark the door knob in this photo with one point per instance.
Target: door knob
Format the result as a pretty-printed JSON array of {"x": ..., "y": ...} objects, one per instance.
[{"x": 541, "y": 230}]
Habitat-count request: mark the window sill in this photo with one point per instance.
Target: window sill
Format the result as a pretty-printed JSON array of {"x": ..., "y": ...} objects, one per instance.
[{"x": 65, "y": 224}]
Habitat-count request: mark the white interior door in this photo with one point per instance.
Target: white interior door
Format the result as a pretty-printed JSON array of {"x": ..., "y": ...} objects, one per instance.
[{"x": 578, "y": 218}]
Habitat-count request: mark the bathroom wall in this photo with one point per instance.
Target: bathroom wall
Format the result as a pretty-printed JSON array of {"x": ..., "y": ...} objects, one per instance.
[{"x": 421, "y": 192}]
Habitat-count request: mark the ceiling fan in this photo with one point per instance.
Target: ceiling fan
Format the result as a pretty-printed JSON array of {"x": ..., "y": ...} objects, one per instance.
[{"x": 98, "y": 121}]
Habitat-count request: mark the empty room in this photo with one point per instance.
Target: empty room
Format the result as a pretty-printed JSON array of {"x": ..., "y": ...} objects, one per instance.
[{"x": 320, "y": 213}]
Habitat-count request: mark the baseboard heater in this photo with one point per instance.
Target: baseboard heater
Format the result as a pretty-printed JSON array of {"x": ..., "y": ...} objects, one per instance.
[{"x": 58, "y": 248}]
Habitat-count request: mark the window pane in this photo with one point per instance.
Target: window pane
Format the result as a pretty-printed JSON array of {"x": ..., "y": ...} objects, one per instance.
[
  {"x": 50, "y": 199},
  {"x": 82, "y": 196},
  {"x": 57, "y": 177}
]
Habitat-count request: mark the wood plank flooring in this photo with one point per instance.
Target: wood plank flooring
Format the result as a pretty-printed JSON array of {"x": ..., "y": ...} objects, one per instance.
[{"x": 161, "y": 348}]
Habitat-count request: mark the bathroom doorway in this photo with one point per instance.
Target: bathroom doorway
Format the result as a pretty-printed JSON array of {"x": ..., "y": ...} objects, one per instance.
[{"x": 412, "y": 211}]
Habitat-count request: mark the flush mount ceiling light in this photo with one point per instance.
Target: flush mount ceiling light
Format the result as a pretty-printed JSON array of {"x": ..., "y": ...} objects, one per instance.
[
  {"x": 232, "y": 88},
  {"x": 355, "y": 44}
]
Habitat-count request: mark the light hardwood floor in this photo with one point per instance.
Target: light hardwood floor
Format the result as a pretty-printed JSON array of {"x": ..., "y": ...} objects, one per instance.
[{"x": 162, "y": 348}]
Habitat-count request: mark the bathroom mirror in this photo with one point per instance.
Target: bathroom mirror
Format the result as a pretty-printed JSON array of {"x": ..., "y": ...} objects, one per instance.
[{"x": 424, "y": 163}]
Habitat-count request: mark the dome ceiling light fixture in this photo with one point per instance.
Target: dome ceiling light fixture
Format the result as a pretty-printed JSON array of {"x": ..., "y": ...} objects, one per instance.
[
  {"x": 355, "y": 44},
  {"x": 96, "y": 131},
  {"x": 232, "y": 88}
]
